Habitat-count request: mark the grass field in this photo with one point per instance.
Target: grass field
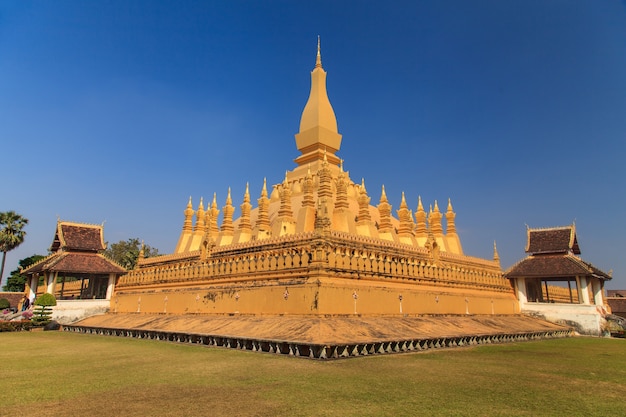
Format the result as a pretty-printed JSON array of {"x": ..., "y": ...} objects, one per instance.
[{"x": 68, "y": 374}]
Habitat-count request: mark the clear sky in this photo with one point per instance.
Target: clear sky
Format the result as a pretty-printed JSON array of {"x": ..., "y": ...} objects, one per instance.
[{"x": 118, "y": 111}]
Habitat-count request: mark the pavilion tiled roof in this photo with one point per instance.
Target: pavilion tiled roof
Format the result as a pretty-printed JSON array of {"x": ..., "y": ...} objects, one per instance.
[
  {"x": 76, "y": 262},
  {"x": 618, "y": 305},
  {"x": 552, "y": 254},
  {"x": 78, "y": 236},
  {"x": 552, "y": 240},
  {"x": 554, "y": 265},
  {"x": 77, "y": 249}
]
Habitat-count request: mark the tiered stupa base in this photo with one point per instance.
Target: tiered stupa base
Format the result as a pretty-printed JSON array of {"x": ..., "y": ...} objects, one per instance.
[{"x": 324, "y": 337}]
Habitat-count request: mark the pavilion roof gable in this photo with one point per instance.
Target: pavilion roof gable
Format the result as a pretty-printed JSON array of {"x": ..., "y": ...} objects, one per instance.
[
  {"x": 78, "y": 237},
  {"x": 552, "y": 240}
]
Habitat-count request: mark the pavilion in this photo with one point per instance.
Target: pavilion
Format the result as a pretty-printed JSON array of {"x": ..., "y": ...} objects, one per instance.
[
  {"x": 555, "y": 283},
  {"x": 77, "y": 273}
]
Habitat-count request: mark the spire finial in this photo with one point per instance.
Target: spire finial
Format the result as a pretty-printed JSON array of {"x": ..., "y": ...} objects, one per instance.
[
  {"x": 496, "y": 257},
  {"x": 318, "y": 59}
]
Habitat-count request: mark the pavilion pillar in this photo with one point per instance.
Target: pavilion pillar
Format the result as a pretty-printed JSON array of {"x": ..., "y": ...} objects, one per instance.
[
  {"x": 596, "y": 287},
  {"x": 520, "y": 286},
  {"x": 583, "y": 290},
  {"x": 51, "y": 281},
  {"x": 32, "y": 289},
  {"x": 110, "y": 286}
]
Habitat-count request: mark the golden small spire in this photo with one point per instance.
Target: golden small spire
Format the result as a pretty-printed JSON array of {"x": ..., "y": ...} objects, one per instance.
[
  {"x": 227, "y": 220},
  {"x": 263, "y": 220},
  {"x": 383, "y": 196},
  {"x": 200, "y": 217},
  {"x": 244, "y": 222},
  {"x": 384, "y": 213},
  {"x": 188, "y": 224},
  {"x": 364, "y": 216},
  {"x": 246, "y": 195},
  {"x": 450, "y": 215}
]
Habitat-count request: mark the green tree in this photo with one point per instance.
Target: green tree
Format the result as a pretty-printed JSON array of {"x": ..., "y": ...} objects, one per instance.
[
  {"x": 126, "y": 252},
  {"x": 11, "y": 234},
  {"x": 17, "y": 282}
]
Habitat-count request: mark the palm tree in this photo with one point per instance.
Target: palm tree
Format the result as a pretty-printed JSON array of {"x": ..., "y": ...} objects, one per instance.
[{"x": 11, "y": 234}]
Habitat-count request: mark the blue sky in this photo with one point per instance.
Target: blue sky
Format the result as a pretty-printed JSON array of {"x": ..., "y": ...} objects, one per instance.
[{"x": 118, "y": 111}]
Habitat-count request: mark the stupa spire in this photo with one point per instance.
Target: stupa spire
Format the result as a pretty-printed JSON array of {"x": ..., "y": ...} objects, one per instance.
[
  {"x": 227, "y": 221},
  {"x": 212, "y": 226},
  {"x": 200, "y": 226},
  {"x": 244, "y": 221},
  {"x": 420, "y": 218},
  {"x": 384, "y": 213},
  {"x": 308, "y": 188},
  {"x": 188, "y": 224},
  {"x": 434, "y": 220},
  {"x": 263, "y": 220},
  {"x": 450, "y": 215},
  {"x": 364, "y": 201},
  {"x": 318, "y": 124},
  {"x": 406, "y": 219}
]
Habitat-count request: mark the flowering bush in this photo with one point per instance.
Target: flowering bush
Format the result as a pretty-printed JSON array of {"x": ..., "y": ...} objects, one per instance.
[{"x": 27, "y": 315}]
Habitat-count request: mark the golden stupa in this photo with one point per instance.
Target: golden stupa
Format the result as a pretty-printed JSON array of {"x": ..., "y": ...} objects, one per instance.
[
  {"x": 315, "y": 245},
  {"x": 315, "y": 270}
]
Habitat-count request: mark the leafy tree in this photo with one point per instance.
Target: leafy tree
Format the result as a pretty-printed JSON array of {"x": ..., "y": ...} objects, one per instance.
[
  {"x": 16, "y": 281},
  {"x": 11, "y": 234},
  {"x": 126, "y": 252}
]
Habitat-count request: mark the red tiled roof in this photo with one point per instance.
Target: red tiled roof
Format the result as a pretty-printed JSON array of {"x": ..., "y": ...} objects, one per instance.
[
  {"x": 77, "y": 236},
  {"x": 618, "y": 305},
  {"x": 75, "y": 262},
  {"x": 557, "y": 265},
  {"x": 553, "y": 240}
]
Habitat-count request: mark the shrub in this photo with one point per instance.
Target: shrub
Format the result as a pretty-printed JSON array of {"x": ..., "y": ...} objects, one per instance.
[
  {"x": 14, "y": 326},
  {"x": 4, "y": 303},
  {"x": 43, "y": 311},
  {"x": 46, "y": 300}
]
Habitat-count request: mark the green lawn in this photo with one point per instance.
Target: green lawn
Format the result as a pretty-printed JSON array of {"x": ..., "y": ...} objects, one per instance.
[{"x": 68, "y": 374}]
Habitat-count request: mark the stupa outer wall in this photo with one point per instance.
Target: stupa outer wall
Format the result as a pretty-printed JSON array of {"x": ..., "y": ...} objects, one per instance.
[{"x": 316, "y": 274}]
